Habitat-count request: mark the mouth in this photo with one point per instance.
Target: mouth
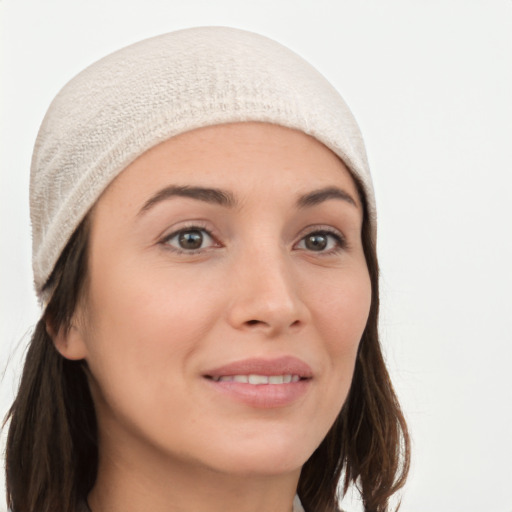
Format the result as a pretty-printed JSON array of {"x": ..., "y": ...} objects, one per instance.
[
  {"x": 260, "y": 371},
  {"x": 257, "y": 380},
  {"x": 262, "y": 383}
]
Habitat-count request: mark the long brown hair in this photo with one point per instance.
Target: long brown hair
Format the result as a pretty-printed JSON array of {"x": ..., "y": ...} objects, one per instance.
[{"x": 52, "y": 453}]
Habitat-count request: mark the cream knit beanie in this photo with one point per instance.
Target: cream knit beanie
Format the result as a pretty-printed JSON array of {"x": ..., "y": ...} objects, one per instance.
[{"x": 137, "y": 97}]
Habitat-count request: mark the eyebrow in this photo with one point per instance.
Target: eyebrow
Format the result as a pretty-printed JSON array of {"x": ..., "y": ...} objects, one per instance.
[
  {"x": 226, "y": 198},
  {"x": 319, "y": 196},
  {"x": 208, "y": 195}
]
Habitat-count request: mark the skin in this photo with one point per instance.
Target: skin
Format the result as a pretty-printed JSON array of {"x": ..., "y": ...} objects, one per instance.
[{"x": 154, "y": 319}]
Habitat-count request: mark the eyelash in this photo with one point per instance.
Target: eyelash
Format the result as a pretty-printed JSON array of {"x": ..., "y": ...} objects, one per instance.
[
  {"x": 339, "y": 240},
  {"x": 187, "y": 229}
]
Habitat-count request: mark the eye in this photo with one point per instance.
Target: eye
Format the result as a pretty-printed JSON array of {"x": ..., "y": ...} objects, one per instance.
[
  {"x": 321, "y": 241},
  {"x": 190, "y": 239}
]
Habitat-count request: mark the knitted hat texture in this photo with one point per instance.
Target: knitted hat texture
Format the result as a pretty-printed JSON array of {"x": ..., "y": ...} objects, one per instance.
[{"x": 126, "y": 103}]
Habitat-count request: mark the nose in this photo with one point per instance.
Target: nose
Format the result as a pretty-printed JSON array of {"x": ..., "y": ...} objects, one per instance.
[{"x": 267, "y": 296}]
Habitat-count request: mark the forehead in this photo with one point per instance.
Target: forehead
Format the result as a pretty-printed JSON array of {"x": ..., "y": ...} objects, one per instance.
[{"x": 248, "y": 159}]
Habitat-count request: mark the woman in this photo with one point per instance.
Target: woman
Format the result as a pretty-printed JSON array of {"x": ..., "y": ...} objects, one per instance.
[{"x": 204, "y": 248}]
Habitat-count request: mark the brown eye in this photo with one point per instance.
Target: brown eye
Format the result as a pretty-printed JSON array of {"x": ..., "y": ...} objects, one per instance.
[
  {"x": 192, "y": 239},
  {"x": 316, "y": 242},
  {"x": 321, "y": 241}
]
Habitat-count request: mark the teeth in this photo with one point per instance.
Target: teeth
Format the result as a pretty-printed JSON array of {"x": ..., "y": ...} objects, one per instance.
[{"x": 258, "y": 380}]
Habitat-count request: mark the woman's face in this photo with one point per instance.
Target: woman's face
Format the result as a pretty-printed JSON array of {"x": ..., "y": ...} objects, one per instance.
[{"x": 227, "y": 294}]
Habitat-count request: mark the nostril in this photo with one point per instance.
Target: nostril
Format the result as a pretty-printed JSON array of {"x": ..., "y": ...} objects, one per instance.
[{"x": 252, "y": 323}]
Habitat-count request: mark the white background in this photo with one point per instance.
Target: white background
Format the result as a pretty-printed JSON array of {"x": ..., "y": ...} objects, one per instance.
[{"x": 431, "y": 85}]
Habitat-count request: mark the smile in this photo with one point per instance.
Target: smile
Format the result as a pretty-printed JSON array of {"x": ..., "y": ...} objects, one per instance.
[
  {"x": 261, "y": 383},
  {"x": 258, "y": 380}
]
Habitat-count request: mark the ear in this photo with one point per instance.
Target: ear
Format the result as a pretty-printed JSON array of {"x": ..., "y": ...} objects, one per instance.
[{"x": 69, "y": 341}]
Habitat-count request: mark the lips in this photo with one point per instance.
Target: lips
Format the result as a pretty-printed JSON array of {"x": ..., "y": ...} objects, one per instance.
[
  {"x": 262, "y": 383},
  {"x": 258, "y": 380},
  {"x": 287, "y": 365}
]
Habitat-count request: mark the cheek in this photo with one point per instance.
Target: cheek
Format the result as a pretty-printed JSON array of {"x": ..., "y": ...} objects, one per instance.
[
  {"x": 147, "y": 321},
  {"x": 341, "y": 309},
  {"x": 150, "y": 315},
  {"x": 142, "y": 337}
]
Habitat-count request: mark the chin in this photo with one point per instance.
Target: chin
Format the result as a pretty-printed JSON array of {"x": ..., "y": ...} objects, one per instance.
[
  {"x": 265, "y": 455},
  {"x": 263, "y": 464}
]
